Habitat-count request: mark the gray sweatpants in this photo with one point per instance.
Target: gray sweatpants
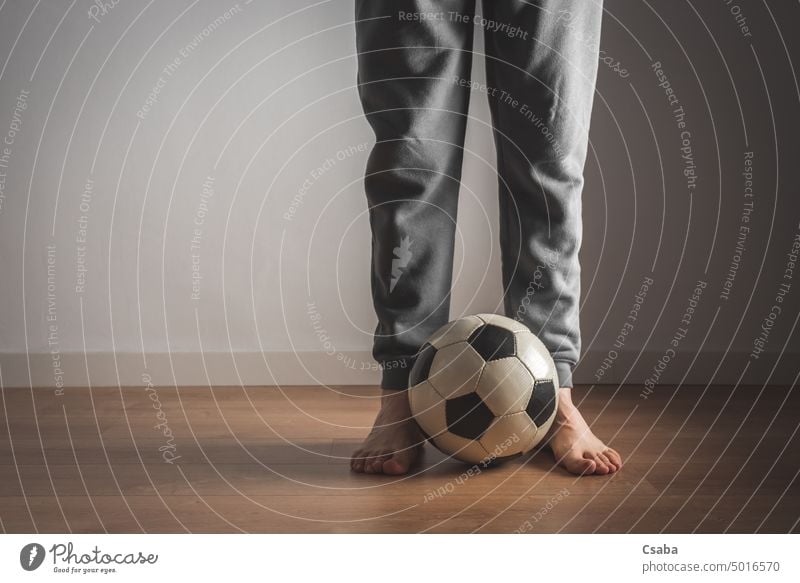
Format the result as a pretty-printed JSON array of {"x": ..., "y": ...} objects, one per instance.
[{"x": 414, "y": 59}]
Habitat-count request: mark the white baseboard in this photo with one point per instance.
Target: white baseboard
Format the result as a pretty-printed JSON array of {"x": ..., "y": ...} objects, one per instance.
[{"x": 105, "y": 369}]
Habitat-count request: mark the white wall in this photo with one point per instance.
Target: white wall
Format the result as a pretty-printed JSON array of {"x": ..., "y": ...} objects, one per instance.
[{"x": 240, "y": 124}]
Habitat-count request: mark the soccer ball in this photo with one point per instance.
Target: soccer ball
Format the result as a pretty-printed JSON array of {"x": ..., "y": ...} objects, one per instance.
[{"x": 483, "y": 389}]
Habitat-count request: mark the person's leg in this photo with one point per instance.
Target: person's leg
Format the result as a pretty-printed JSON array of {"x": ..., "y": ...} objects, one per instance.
[
  {"x": 411, "y": 54},
  {"x": 542, "y": 59}
]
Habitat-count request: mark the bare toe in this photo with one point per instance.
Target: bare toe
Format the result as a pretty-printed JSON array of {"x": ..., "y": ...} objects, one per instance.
[
  {"x": 614, "y": 457},
  {"x": 369, "y": 466},
  {"x": 610, "y": 464},
  {"x": 400, "y": 462},
  {"x": 357, "y": 461},
  {"x": 379, "y": 460},
  {"x": 395, "y": 467},
  {"x": 602, "y": 468}
]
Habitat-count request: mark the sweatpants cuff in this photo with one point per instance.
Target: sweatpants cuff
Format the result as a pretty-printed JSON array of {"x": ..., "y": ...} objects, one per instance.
[
  {"x": 395, "y": 378},
  {"x": 564, "y": 372}
]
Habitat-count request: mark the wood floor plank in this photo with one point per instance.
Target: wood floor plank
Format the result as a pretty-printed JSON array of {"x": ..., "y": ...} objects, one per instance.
[{"x": 263, "y": 459}]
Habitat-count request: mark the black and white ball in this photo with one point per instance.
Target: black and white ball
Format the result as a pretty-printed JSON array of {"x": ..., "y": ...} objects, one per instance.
[{"x": 483, "y": 389}]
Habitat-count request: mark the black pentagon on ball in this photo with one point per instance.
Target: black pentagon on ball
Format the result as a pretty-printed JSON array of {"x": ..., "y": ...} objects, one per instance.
[
  {"x": 422, "y": 365},
  {"x": 467, "y": 416},
  {"x": 543, "y": 401},
  {"x": 493, "y": 342}
]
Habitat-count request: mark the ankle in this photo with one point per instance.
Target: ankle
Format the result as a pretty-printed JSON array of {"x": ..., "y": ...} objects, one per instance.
[
  {"x": 566, "y": 409},
  {"x": 565, "y": 399},
  {"x": 395, "y": 401}
]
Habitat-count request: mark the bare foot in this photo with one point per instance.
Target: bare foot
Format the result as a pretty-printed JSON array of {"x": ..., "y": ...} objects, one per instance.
[
  {"x": 575, "y": 446},
  {"x": 394, "y": 442}
]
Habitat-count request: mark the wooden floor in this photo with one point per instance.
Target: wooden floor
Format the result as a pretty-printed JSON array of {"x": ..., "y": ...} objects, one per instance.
[{"x": 272, "y": 460}]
